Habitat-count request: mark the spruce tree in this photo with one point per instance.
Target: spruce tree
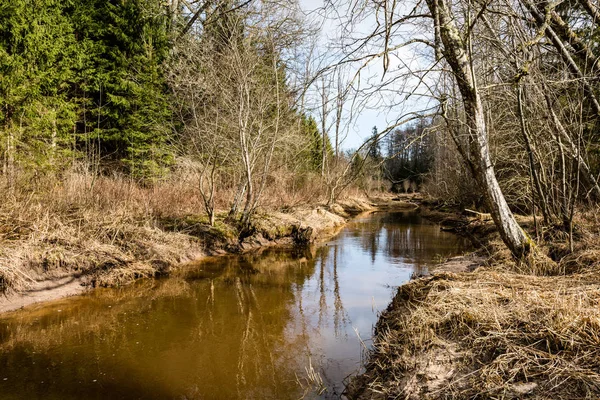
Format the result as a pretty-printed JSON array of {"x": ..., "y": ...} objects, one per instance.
[
  {"x": 126, "y": 99},
  {"x": 38, "y": 62}
]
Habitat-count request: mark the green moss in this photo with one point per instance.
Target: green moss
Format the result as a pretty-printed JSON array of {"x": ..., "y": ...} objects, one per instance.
[{"x": 225, "y": 230}]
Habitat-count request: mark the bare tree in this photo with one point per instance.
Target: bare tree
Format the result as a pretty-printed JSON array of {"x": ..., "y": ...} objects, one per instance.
[
  {"x": 455, "y": 47},
  {"x": 236, "y": 104}
]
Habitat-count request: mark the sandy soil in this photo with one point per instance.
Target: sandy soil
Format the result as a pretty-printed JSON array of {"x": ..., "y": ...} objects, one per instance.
[{"x": 43, "y": 291}]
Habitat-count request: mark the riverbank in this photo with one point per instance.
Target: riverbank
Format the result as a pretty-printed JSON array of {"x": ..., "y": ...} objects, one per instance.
[
  {"x": 52, "y": 250},
  {"x": 282, "y": 321},
  {"x": 496, "y": 330}
]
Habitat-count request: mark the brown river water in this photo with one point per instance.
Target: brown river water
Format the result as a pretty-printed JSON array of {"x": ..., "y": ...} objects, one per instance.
[{"x": 282, "y": 324}]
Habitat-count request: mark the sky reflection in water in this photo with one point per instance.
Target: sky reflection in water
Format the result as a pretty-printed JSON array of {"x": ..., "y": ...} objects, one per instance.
[{"x": 244, "y": 327}]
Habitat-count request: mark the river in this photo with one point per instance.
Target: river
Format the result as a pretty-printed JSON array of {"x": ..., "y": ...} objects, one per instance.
[{"x": 279, "y": 324}]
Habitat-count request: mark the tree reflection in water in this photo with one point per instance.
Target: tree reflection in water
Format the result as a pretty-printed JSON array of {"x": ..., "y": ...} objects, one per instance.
[{"x": 230, "y": 327}]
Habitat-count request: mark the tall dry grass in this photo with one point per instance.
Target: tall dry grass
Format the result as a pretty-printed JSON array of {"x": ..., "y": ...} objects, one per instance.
[
  {"x": 491, "y": 334},
  {"x": 114, "y": 229},
  {"x": 89, "y": 225}
]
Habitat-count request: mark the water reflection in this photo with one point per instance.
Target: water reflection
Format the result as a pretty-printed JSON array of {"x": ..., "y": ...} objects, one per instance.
[{"x": 231, "y": 327}]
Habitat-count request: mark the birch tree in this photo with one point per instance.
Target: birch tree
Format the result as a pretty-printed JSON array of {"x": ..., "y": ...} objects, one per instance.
[{"x": 448, "y": 36}]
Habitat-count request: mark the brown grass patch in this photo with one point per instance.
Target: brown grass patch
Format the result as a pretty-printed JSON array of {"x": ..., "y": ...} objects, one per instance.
[
  {"x": 486, "y": 334},
  {"x": 115, "y": 230},
  {"x": 509, "y": 330},
  {"x": 108, "y": 228}
]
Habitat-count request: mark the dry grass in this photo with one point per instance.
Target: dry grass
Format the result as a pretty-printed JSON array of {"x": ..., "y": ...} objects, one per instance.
[
  {"x": 114, "y": 230},
  {"x": 497, "y": 331},
  {"x": 505, "y": 331},
  {"x": 90, "y": 226}
]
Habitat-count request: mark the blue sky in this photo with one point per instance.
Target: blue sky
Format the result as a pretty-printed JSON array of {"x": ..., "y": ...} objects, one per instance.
[{"x": 381, "y": 110}]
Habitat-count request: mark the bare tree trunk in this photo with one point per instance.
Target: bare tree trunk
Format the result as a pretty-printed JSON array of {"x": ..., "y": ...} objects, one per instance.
[
  {"x": 277, "y": 123},
  {"x": 208, "y": 196},
  {"x": 248, "y": 171},
  {"x": 249, "y": 187},
  {"x": 331, "y": 195},
  {"x": 237, "y": 200},
  {"x": 173, "y": 12},
  {"x": 339, "y": 109},
  {"x": 324, "y": 114},
  {"x": 244, "y": 139},
  {"x": 54, "y": 140},
  {"x": 11, "y": 149},
  {"x": 9, "y": 157},
  {"x": 455, "y": 53}
]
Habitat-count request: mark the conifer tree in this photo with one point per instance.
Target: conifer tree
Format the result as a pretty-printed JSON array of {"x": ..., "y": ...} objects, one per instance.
[
  {"x": 126, "y": 99},
  {"x": 38, "y": 62}
]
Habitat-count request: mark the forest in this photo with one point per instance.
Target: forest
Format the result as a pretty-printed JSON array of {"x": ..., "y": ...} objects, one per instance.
[{"x": 135, "y": 134}]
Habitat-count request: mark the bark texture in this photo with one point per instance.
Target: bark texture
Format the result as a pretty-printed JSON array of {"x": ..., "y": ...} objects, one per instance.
[{"x": 455, "y": 52}]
